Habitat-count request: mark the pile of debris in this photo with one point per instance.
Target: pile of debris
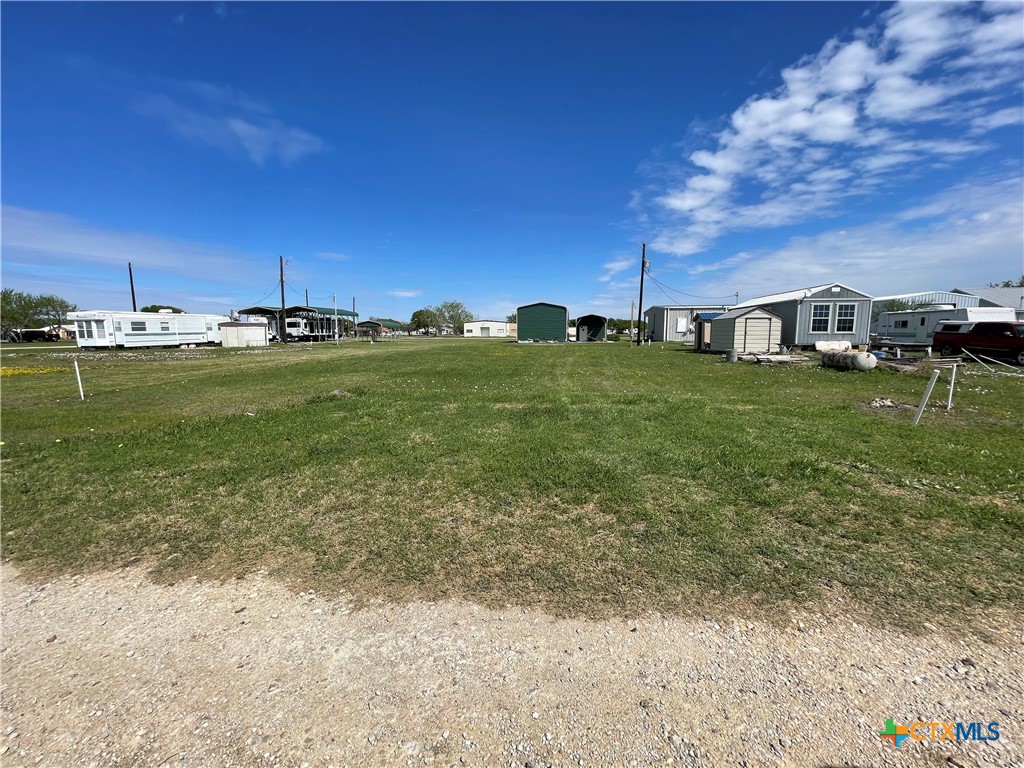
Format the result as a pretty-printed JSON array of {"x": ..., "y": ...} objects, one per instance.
[
  {"x": 776, "y": 359},
  {"x": 913, "y": 364},
  {"x": 889, "y": 405}
]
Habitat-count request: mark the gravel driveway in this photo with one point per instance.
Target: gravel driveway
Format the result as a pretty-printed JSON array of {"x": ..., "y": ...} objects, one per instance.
[{"x": 111, "y": 669}]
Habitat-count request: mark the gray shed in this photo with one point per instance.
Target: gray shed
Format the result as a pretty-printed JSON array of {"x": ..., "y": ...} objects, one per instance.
[
  {"x": 542, "y": 322},
  {"x": 746, "y": 330},
  {"x": 591, "y": 328},
  {"x": 830, "y": 312}
]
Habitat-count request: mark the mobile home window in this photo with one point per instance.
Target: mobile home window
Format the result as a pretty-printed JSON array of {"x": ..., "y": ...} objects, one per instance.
[
  {"x": 900, "y": 324},
  {"x": 165, "y": 325},
  {"x": 820, "y": 317},
  {"x": 209, "y": 326},
  {"x": 84, "y": 330},
  {"x": 138, "y": 325},
  {"x": 845, "y": 315},
  {"x": 117, "y": 325},
  {"x": 101, "y": 329}
]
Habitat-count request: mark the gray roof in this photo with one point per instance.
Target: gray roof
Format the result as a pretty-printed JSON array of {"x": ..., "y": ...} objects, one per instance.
[
  {"x": 734, "y": 313},
  {"x": 799, "y": 293},
  {"x": 997, "y": 297}
]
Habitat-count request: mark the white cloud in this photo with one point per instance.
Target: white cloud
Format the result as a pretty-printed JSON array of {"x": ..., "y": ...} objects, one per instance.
[
  {"x": 896, "y": 98},
  {"x": 613, "y": 267},
  {"x": 33, "y": 236},
  {"x": 332, "y": 256},
  {"x": 968, "y": 235},
  {"x": 207, "y": 113},
  {"x": 403, "y": 293}
]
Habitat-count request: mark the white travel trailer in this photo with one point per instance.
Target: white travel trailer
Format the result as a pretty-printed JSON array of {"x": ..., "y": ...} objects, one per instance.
[
  {"x": 917, "y": 326},
  {"x": 99, "y": 328}
]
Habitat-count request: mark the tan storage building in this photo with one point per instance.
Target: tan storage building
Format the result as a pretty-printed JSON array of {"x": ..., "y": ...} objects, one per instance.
[{"x": 746, "y": 330}]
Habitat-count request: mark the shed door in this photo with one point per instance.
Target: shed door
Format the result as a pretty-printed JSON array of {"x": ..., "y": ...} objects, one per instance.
[
  {"x": 485, "y": 330},
  {"x": 757, "y": 334}
]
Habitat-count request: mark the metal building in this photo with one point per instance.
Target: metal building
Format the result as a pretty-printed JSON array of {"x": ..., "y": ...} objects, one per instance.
[
  {"x": 542, "y": 322},
  {"x": 676, "y": 323},
  {"x": 487, "y": 329},
  {"x": 751, "y": 329},
  {"x": 591, "y": 328}
]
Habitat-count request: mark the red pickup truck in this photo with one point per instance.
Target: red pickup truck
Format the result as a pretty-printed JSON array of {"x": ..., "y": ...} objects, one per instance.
[{"x": 993, "y": 339}]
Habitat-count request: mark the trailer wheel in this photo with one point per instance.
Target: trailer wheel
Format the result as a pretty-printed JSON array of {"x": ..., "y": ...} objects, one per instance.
[
  {"x": 1020, "y": 357},
  {"x": 947, "y": 350}
]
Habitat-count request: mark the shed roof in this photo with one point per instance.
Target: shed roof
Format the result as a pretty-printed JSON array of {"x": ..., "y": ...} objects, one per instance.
[
  {"x": 262, "y": 309},
  {"x": 799, "y": 293},
  {"x": 544, "y": 304},
  {"x": 732, "y": 314}
]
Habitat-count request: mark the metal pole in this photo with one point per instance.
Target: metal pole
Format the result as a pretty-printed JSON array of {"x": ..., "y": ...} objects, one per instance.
[
  {"x": 283, "y": 330},
  {"x": 924, "y": 400},
  {"x": 640, "y": 307},
  {"x": 952, "y": 381},
  {"x": 131, "y": 282},
  {"x": 334, "y": 297},
  {"x": 307, "y": 297}
]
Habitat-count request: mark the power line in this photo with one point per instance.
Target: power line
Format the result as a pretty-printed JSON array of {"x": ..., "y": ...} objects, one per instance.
[{"x": 684, "y": 293}]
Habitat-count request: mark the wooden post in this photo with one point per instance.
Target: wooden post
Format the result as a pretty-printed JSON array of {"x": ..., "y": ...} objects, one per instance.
[{"x": 78, "y": 376}]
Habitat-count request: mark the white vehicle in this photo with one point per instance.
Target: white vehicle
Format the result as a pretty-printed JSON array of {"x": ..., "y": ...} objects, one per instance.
[{"x": 98, "y": 329}]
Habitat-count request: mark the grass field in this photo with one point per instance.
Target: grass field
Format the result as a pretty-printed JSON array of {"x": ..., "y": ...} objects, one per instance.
[{"x": 592, "y": 479}]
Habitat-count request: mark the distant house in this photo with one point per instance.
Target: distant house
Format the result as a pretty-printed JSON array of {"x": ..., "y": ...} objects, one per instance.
[
  {"x": 676, "y": 323},
  {"x": 830, "y": 312},
  {"x": 486, "y": 329}
]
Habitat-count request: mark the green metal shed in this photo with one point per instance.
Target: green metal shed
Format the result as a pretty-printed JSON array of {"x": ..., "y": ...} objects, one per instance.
[
  {"x": 591, "y": 328},
  {"x": 542, "y": 322}
]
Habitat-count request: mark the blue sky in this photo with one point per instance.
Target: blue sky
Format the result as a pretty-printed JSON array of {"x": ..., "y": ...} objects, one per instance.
[{"x": 503, "y": 153}]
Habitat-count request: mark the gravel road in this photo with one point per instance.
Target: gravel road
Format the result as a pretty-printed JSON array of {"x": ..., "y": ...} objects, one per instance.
[{"x": 111, "y": 669}]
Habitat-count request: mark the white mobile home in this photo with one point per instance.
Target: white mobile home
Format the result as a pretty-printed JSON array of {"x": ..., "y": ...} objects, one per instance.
[
  {"x": 751, "y": 329},
  {"x": 830, "y": 312},
  {"x": 99, "y": 328}
]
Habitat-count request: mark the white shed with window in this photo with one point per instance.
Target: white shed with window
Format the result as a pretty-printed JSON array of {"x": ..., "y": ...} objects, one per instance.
[{"x": 830, "y": 312}]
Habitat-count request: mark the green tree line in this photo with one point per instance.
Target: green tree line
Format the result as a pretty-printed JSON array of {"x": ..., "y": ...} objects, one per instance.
[{"x": 20, "y": 310}]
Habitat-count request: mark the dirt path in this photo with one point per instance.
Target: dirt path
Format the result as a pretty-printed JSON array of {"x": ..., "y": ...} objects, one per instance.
[{"x": 113, "y": 670}]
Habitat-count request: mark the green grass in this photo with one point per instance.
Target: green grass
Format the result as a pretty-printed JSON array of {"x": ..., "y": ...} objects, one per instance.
[{"x": 593, "y": 479}]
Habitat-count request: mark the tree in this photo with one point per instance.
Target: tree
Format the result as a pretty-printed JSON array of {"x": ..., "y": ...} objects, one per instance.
[
  {"x": 53, "y": 309},
  {"x": 513, "y": 318},
  {"x": 158, "y": 307},
  {"x": 896, "y": 305},
  {"x": 1008, "y": 284},
  {"x": 17, "y": 310},
  {"x": 422, "y": 319},
  {"x": 455, "y": 314}
]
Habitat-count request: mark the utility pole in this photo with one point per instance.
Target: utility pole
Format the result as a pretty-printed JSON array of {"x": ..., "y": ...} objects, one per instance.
[
  {"x": 640, "y": 308},
  {"x": 131, "y": 282},
  {"x": 334, "y": 298},
  {"x": 282, "y": 330},
  {"x": 307, "y": 297}
]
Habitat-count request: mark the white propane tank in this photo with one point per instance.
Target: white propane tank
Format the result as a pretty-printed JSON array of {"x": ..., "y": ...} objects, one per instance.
[{"x": 851, "y": 361}]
